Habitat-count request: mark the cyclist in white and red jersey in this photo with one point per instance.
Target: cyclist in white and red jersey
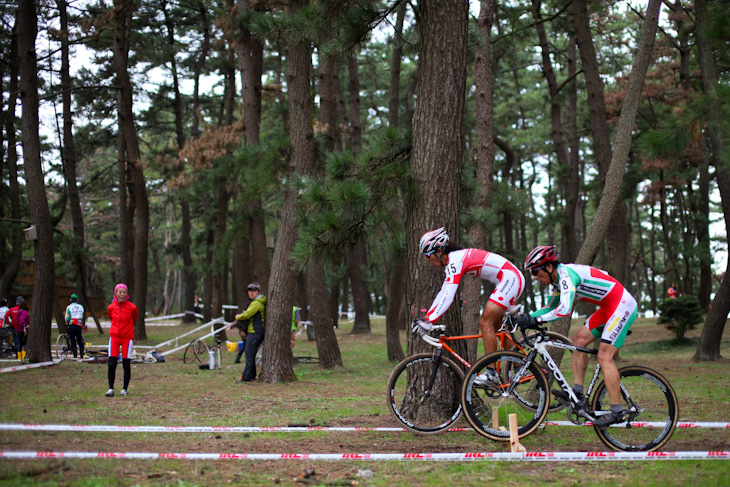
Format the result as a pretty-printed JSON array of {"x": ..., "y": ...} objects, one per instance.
[
  {"x": 489, "y": 266},
  {"x": 617, "y": 310}
]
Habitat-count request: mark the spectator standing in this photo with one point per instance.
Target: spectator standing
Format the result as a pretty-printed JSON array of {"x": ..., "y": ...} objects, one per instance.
[
  {"x": 10, "y": 320},
  {"x": 3, "y": 309},
  {"x": 21, "y": 328},
  {"x": 76, "y": 321},
  {"x": 254, "y": 319},
  {"x": 123, "y": 315},
  {"x": 198, "y": 306},
  {"x": 672, "y": 292},
  {"x": 295, "y": 320}
]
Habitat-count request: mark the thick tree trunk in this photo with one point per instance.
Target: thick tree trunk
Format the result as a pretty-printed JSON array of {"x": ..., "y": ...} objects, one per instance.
[
  {"x": 278, "y": 363},
  {"x": 39, "y": 333},
  {"x": 437, "y": 159},
  {"x": 612, "y": 190},
  {"x": 711, "y": 337}
]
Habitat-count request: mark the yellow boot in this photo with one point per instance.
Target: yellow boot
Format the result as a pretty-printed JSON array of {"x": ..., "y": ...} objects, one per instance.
[{"x": 21, "y": 355}]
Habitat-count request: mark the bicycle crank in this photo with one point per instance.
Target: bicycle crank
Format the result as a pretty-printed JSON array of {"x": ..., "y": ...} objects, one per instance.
[{"x": 574, "y": 417}]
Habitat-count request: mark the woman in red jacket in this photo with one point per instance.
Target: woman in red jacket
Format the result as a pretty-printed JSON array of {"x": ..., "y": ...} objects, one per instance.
[{"x": 123, "y": 315}]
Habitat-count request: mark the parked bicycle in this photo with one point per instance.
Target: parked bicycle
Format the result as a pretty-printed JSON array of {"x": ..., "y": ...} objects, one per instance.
[
  {"x": 650, "y": 408},
  {"x": 6, "y": 343},
  {"x": 63, "y": 346},
  {"x": 411, "y": 395}
]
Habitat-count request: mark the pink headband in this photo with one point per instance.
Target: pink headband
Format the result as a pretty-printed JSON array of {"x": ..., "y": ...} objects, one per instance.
[{"x": 116, "y": 288}]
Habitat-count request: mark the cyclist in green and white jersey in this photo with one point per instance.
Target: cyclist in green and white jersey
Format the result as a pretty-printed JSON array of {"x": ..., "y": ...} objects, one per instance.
[{"x": 617, "y": 310}]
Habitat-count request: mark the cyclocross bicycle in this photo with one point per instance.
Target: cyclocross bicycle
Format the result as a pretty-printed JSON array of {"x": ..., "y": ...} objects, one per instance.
[
  {"x": 650, "y": 408},
  {"x": 423, "y": 390},
  {"x": 63, "y": 346}
]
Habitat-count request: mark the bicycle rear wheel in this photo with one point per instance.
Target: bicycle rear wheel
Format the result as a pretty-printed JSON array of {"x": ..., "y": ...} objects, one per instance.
[
  {"x": 487, "y": 408},
  {"x": 650, "y": 407},
  {"x": 196, "y": 351},
  {"x": 416, "y": 408},
  {"x": 62, "y": 347}
]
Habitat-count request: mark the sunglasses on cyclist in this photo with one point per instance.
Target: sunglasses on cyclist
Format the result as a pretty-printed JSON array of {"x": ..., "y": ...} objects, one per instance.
[
  {"x": 253, "y": 288},
  {"x": 428, "y": 254},
  {"x": 534, "y": 272}
]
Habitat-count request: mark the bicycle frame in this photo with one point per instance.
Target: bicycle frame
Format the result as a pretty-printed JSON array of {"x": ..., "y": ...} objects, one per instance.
[
  {"x": 441, "y": 342},
  {"x": 540, "y": 347}
]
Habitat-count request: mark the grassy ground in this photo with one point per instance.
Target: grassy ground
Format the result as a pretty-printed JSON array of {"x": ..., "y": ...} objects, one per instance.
[{"x": 178, "y": 394}]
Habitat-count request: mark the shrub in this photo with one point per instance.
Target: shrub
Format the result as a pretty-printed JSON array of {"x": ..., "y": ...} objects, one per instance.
[{"x": 680, "y": 314}]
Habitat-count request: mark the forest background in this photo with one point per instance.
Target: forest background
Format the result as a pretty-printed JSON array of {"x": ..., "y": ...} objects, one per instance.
[{"x": 308, "y": 145}]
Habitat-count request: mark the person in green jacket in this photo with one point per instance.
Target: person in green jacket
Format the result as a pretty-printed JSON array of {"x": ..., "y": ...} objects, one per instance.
[{"x": 253, "y": 319}]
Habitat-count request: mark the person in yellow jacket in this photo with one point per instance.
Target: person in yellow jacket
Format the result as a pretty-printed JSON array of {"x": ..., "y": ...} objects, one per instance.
[{"x": 254, "y": 320}]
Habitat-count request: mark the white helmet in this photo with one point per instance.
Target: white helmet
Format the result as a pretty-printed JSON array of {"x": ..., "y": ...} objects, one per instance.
[{"x": 433, "y": 240}]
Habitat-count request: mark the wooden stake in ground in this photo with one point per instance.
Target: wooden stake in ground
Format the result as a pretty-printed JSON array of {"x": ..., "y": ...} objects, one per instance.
[{"x": 514, "y": 436}]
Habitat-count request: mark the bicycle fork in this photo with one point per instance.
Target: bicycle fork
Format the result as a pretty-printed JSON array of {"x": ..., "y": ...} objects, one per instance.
[{"x": 432, "y": 379}]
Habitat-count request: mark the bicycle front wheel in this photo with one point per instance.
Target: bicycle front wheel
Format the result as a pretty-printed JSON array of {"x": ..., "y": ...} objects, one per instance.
[
  {"x": 488, "y": 407},
  {"x": 62, "y": 346},
  {"x": 416, "y": 407},
  {"x": 555, "y": 353},
  {"x": 650, "y": 407},
  {"x": 196, "y": 351}
]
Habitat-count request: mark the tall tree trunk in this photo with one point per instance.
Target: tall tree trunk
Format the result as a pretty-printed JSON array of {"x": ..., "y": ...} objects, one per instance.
[
  {"x": 250, "y": 55},
  {"x": 483, "y": 79},
  {"x": 437, "y": 158},
  {"x": 612, "y": 190},
  {"x": 711, "y": 337},
  {"x": 329, "y": 351},
  {"x": 571, "y": 183},
  {"x": 354, "y": 99},
  {"x": 12, "y": 265},
  {"x": 394, "y": 285},
  {"x": 39, "y": 334},
  {"x": 278, "y": 363},
  {"x": 138, "y": 291},
  {"x": 618, "y": 244},
  {"x": 395, "y": 64},
  {"x": 360, "y": 296},
  {"x": 393, "y": 308},
  {"x": 327, "y": 348},
  {"x": 702, "y": 225}
]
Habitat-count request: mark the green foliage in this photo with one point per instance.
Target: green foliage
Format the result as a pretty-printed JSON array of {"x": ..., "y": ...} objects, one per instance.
[
  {"x": 680, "y": 314},
  {"x": 356, "y": 195}
]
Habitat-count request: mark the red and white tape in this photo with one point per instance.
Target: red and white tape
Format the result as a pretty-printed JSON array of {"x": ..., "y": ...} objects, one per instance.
[
  {"x": 497, "y": 456},
  {"x": 29, "y": 366},
  {"x": 273, "y": 429}
]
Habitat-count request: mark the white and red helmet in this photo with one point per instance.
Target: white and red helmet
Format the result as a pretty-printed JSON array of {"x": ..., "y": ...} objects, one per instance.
[
  {"x": 540, "y": 256},
  {"x": 433, "y": 240}
]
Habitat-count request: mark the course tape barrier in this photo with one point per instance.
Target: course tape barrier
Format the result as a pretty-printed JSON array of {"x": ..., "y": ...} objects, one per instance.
[
  {"x": 29, "y": 366},
  {"x": 267, "y": 429},
  {"x": 477, "y": 456}
]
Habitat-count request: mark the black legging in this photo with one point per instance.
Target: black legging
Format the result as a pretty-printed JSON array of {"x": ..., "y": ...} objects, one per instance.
[
  {"x": 112, "y": 372},
  {"x": 75, "y": 334}
]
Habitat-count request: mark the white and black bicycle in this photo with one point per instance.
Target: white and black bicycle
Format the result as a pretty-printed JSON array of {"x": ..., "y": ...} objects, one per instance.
[{"x": 650, "y": 408}]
